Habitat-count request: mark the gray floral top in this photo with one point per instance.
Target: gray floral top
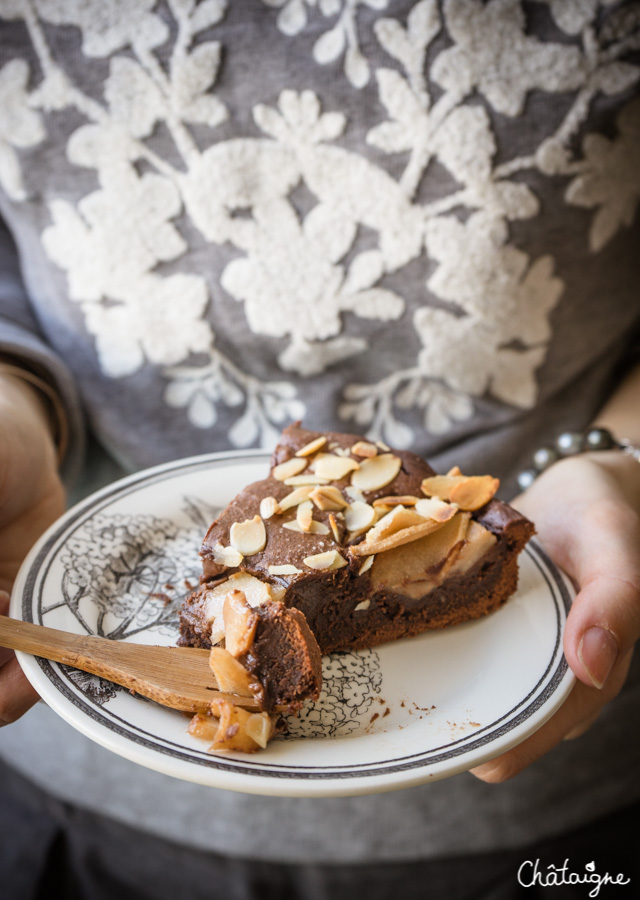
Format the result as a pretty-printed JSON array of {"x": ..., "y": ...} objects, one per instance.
[{"x": 415, "y": 220}]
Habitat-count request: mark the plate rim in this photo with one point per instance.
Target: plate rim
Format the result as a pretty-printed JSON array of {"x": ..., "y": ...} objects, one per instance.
[{"x": 244, "y": 774}]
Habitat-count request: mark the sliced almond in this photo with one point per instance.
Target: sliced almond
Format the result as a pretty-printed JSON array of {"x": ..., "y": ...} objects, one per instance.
[
  {"x": 364, "y": 604},
  {"x": 454, "y": 470},
  {"x": 286, "y": 569},
  {"x": 240, "y": 621},
  {"x": 329, "y": 560},
  {"x": 304, "y": 516},
  {"x": 377, "y": 472},
  {"x": 354, "y": 494},
  {"x": 232, "y": 733},
  {"x": 231, "y": 676},
  {"x": 364, "y": 448},
  {"x": 400, "y": 517},
  {"x": 312, "y": 446},
  {"x": 469, "y": 492},
  {"x": 287, "y": 469},
  {"x": 434, "y": 508},
  {"x": 226, "y": 556},
  {"x": 256, "y": 592},
  {"x": 298, "y": 495},
  {"x": 307, "y": 478},
  {"x": 439, "y": 485},
  {"x": 383, "y": 446},
  {"x": 366, "y": 565},
  {"x": 399, "y": 500},
  {"x": 335, "y": 468},
  {"x": 248, "y": 537},
  {"x": 474, "y": 492},
  {"x": 259, "y": 728},
  {"x": 315, "y": 527},
  {"x": 328, "y": 497},
  {"x": 404, "y": 536},
  {"x": 269, "y": 507},
  {"x": 334, "y": 528},
  {"x": 203, "y": 726},
  {"x": 359, "y": 516}
]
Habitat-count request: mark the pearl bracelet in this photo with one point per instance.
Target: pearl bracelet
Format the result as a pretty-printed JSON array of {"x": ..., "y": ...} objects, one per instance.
[{"x": 570, "y": 444}]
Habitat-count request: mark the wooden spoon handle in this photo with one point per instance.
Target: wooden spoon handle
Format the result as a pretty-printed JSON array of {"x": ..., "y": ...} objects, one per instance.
[{"x": 59, "y": 646}]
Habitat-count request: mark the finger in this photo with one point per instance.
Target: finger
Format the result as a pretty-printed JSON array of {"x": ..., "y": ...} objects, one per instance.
[
  {"x": 16, "y": 694},
  {"x": 604, "y": 621},
  {"x": 574, "y": 717},
  {"x": 5, "y": 655}
]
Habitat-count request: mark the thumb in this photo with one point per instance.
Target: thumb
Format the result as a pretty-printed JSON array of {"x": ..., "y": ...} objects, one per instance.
[{"x": 604, "y": 621}]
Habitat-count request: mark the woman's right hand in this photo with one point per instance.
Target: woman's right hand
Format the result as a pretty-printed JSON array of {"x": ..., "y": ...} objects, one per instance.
[{"x": 31, "y": 498}]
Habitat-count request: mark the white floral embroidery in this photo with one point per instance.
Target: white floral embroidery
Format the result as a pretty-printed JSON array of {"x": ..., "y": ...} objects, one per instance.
[
  {"x": 493, "y": 54},
  {"x": 108, "y": 25},
  {"x": 573, "y": 15},
  {"x": 19, "y": 126},
  {"x": 341, "y": 38},
  {"x": 116, "y": 235},
  {"x": 610, "y": 178},
  {"x": 301, "y": 276}
]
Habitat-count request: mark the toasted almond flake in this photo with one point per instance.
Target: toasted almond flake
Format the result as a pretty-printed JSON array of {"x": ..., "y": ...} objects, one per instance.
[
  {"x": 203, "y": 726},
  {"x": 286, "y": 569},
  {"x": 342, "y": 451},
  {"x": 334, "y": 467},
  {"x": 364, "y": 604},
  {"x": 311, "y": 479},
  {"x": 359, "y": 516},
  {"x": 354, "y": 494},
  {"x": 366, "y": 565},
  {"x": 474, "y": 491},
  {"x": 231, "y": 733},
  {"x": 398, "y": 500},
  {"x": 333, "y": 445},
  {"x": 315, "y": 527},
  {"x": 240, "y": 621},
  {"x": 404, "y": 536},
  {"x": 329, "y": 560},
  {"x": 334, "y": 528},
  {"x": 231, "y": 676},
  {"x": 259, "y": 728},
  {"x": 383, "y": 446},
  {"x": 312, "y": 446},
  {"x": 400, "y": 517},
  {"x": 433, "y": 508},
  {"x": 328, "y": 497},
  {"x": 289, "y": 468},
  {"x": 377, "y": 472},
  {"x": 364, "y": 448},
  {"x": 268, "y": 507},
  {"x": 256, "y": 592},
  {"x": 454, "y": 470},
  {"x": 304, "y": 516},
  {"x": 440, "y": 485},
  {"x": 298, "y": 495},
  {"x": 248, "y": 537},
  {"x": 226, "y": 556}
]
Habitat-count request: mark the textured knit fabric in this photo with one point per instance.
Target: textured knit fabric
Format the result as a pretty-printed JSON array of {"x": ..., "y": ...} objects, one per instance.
[{"x": 417, "y": 221}]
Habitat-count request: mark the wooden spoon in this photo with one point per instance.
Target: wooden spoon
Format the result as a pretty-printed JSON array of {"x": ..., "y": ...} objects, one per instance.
[{"x": 178, "y": 677}]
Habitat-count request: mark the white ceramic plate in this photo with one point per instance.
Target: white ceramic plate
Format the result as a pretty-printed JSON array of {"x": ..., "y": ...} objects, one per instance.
[{"x": 119, "y": 563}]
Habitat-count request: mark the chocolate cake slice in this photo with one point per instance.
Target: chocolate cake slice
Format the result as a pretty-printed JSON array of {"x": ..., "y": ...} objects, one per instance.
[{"x": 367, "y": 542}]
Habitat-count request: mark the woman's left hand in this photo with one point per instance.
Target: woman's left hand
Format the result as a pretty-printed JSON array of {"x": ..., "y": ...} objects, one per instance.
[{"x": 586, "y": 510}]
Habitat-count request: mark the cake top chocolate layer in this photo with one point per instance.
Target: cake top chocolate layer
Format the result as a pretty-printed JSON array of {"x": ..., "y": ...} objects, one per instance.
[{"x": 316, "y": 510}]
